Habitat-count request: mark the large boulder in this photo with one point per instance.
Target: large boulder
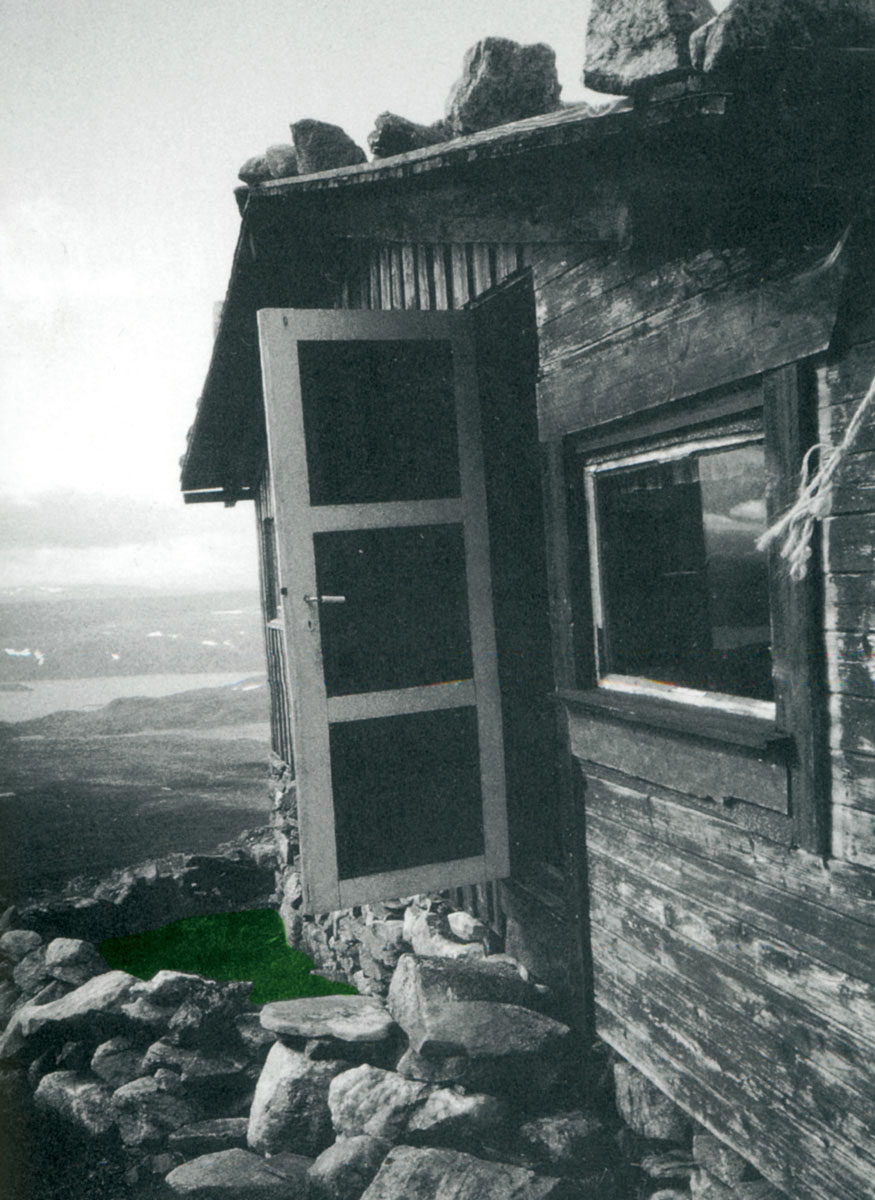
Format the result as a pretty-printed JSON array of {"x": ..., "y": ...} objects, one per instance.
[
  {"x": 78, "y": 1099},
  {"x": 30, "y": 973},
  {"x": 96, "y": 1006},
  {"x": 117, "y": 1060},
  {"x": 704, "y": 1186},
  {"x": 409, "y": 1172},
  {"x": 373, "y": 1101},
  {"x": 423, "y": 990},
  {"x": 453, "y": 1118},
  {"x": 282, "y": 161},
  {"x": 645, "y": 1108},
  {"x": 9, "y": 997},
  {"x": 323, "y": 147},
  {"x": 456, "y": 1069},
  {"x": 521, "y": 1050},
  {"x": 240, "y": 1175},
  {"x": 148, "y": 1109},
  {"x": 255, "y": 170},
  {"x": 344, "y": 1170},
  {"x": 567, "y": 1143},
  {"x": 74, "y": 961},
  {"x": 16, "y": 943},
  {"x": 630, "y": 42},
  {"x": 207, "y": 1020},
  {"x": 502, "y": 81},
  {"x": 778, "y": 25},
  {"x": 719, "y": 1159},
  {"x": 368, "y": 1100},
  {"x": 290, "y": 1109},
  {"x": 396, "y": 135}
]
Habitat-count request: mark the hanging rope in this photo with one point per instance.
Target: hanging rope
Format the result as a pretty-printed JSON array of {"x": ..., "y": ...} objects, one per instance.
[{"x": 814, "y": 495}]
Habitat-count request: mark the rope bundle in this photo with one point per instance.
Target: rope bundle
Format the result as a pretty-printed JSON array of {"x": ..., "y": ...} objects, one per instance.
[{"x": 813, "y": 497}]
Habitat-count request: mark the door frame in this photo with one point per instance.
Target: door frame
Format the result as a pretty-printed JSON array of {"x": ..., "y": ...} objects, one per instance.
[{"x": 297, "y": 521}]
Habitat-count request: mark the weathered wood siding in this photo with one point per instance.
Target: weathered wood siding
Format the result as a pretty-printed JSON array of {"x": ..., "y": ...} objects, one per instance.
[
  {"x": 274, "y": 634},
  {"x": 736, "y": 971},
  {"x": 392, "y": 275},
  {"x": 849, "y": 555}
]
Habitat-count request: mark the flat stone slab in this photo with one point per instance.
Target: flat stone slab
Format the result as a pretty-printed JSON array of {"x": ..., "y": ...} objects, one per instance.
[
  {"x": 346, "y": 1018},
  {"x": 485, "y": 1029},
  {"x": 207, "y": 1137},
  {"x": 240, "y": 1175},
  {"x": 409, "y": 1173}
]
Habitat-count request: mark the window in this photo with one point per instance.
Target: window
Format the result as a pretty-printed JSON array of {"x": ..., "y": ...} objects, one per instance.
[
  {"x": 682, "y": 628},
  {"x": 680, "y": 591}
]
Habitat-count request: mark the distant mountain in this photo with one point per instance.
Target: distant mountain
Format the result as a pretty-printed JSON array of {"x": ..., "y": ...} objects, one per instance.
[
  {"x": 85, "y": 792},
  {"x": 240, "y": 704},
  {"x": 71, "y": 635}
]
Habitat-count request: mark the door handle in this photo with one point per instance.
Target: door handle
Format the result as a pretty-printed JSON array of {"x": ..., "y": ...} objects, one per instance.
[{"x": 325, "y": 599}]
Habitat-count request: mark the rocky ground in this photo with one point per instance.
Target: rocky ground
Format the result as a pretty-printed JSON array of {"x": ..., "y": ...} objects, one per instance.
[{"x": 456, "y": 1081}]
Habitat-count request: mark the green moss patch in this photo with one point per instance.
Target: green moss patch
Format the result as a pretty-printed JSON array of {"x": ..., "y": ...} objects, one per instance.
[{"x": 238, "y": 945}]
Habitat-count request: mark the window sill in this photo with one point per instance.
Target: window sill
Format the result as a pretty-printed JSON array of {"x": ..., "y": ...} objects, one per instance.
[{"x": 751, "y": 730}]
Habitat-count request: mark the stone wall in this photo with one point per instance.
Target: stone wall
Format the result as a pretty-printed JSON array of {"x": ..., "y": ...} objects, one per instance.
[{"x": 450, "y": 1067}]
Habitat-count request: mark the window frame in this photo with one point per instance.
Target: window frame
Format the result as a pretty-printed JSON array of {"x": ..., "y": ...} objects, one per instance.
[
  {"x": 779, "y": 408},
  {"x": 604, "y": 465}
]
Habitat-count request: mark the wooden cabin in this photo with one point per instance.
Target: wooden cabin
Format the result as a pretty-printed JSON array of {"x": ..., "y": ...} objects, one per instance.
[{"x": 514, "y": 411}]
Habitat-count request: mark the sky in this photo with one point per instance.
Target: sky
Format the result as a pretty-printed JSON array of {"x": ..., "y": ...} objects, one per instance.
[{"x": 123, "y": 125}]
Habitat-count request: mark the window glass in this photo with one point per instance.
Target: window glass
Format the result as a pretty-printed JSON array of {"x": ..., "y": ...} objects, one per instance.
[
  {"x": 406, "y": 791},
  {"x": 684, "y": 590},
  {"x": 380, "y": 420},
  {"x": 403, "y": 621}
]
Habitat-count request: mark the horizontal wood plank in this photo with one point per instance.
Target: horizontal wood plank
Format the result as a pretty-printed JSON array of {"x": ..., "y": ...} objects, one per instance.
[
  {"x": 852, "y": 724},
  {"x": 785, "y": 1141},
  {"x": 843, "y": 381},
  {"x": 827, "y": 888},
  {"x": 853, "y": 836},
  {"x": 853, "y": 780},
  {"x": 849, "y": 600},
  {"x": 703, "y": 769},
  {"x": 853, "y": 487},
  {"x": 833, "y": 1059},
  {"x": 697, "y": 343},
  {"x": 817, "y": 962},
  {"x": 552, "y": 259},
  {"x": 850, "y": 659},
  {"x": 361, "y": 706},
  {"x": 596, "y": 305},
  {"x": 735, "y": 1016},
  {"x": 849, "y": 542}
]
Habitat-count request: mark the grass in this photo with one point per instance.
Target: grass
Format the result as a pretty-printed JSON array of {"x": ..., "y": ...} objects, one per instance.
[{"x": 225, "y": 946}]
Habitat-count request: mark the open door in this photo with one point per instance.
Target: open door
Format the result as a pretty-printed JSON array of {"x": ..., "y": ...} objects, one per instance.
[{"x": 383, "y": 549}]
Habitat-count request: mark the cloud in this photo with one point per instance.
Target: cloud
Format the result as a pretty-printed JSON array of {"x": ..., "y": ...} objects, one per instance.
[
  {"x": 70, "y": 539},
  {"x": 66, "y": 518}
]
